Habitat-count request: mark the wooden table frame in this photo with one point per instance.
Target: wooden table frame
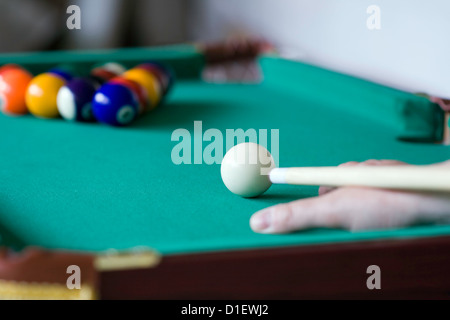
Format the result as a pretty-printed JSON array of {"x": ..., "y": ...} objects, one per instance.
[{"x": 410, "y": 269}]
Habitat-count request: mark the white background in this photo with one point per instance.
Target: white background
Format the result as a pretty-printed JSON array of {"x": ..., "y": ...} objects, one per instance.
[{"x": 411, "y": 51}]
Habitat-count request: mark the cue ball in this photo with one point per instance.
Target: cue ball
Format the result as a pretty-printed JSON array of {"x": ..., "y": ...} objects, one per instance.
[{"x": 245, "y": 169}]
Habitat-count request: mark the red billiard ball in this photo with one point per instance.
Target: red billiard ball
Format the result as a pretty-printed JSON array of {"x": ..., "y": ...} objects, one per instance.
[{"x": 107, "y": 71}]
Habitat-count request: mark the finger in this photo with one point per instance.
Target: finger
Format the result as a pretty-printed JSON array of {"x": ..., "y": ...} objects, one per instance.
[
  {"x": 324, "y": 190},
  {"x": 443, "y": 164},
  {"x": 300, "y": 214},
  {"x": 375, "y": 162}
]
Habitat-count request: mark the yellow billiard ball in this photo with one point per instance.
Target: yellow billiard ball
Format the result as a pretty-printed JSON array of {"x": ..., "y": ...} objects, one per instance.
[
  {"x": 149, "y": 82},
  {"x": 41, "y": 95}
]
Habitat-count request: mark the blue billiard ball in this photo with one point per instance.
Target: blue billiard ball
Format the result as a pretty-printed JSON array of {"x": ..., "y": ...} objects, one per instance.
[
  {"x": 115, "y": 104},
  {"x": 74, "y": 100},
  {"x": 62, "y": 73}
]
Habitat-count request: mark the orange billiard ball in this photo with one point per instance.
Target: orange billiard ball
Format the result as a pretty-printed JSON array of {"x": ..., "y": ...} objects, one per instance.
[
  {"x": 41, "y": 95},
  {"x": 14, "y": 82}
]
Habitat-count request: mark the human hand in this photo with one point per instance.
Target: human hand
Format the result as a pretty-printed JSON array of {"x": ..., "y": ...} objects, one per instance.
[{"x": 355, "y": 208}]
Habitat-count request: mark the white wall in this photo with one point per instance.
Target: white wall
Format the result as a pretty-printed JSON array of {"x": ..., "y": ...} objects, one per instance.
[{"x": 410, "y": 52}]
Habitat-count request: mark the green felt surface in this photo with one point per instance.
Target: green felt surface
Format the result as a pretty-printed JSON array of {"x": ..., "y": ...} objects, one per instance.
[{"x": 92, "y": 187}]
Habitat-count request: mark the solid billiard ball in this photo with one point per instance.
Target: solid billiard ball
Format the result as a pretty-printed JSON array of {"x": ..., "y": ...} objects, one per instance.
[
  {"x": 14, "y": 82},
  {"x": 137, "y": 89},
  {"x": 41, "y": 95},
  {"x": 149, "y": 82},
  {"x": 61, "y": 73},
  {"x": 245, "y": 169},
  {"x": 8, "y": 67},
  {"x": 102, "y": 74},
  {"x": 74, "y": 100},
  {"x": 115, "y": 104}
]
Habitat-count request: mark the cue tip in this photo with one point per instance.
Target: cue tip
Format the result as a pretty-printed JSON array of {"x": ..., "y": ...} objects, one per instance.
[{"x": 278, "y": 175}]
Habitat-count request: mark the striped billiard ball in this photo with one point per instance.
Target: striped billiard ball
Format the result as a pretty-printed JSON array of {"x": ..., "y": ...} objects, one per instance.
[{"x": 74, "y": 100}]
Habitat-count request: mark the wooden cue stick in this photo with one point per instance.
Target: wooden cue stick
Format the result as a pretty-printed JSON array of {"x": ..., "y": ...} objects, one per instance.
[
  {"x": 446, "y": 135},
  {"x": 417, "y": 178}
]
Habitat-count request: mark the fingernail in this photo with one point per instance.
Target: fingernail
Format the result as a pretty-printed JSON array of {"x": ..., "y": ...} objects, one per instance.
[{"x": 260, "y": 221}]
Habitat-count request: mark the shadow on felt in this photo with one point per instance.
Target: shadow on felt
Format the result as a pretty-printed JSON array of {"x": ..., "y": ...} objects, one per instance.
[
  {"x": 292, "y": 195},
  {"x": 9, "y": 238}
]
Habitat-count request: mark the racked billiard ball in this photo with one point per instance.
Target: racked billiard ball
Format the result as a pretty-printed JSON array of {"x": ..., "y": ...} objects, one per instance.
[
  {"x": 114, "y": 67},
  {"x": 103, "y": 75},
  {"x": 166, "y": 70},
  {"x": 61, "y": 73},
  {"x": 107, "y": 71},
  {"x": 141, "y": 93},
  {"x": 162, "y": 77},
  {"x": 115, "y": 104},
  {"x": 74, "y": 100},
  {"x": 41, "y": 95},
  {"x": 14, "y": 82},
  {"x": 147, "y": 80},
  {"x": 9, "y": 66}
]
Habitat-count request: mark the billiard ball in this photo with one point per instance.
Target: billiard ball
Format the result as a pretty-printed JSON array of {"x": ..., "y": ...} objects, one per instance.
[
  {"x": 41, "y": 95},
  {"x": 74, "y": 100},
  {"x": 137, "y": 89},
  {"x": 162, "y": 77},
  {"x": 245, "y": 169},
  {"x": 147, "y": 80},
  {"x": 166, "y": 70},
  {"x": 115, "y": 104},
  {"x": 113, "y": 67},
  {"x": 14, "y": 82},
  {"x": 103, "y": 75},
  {"x": 61, "y": 73},
  {"x": 8, "y": 67},
  {"x": 107, "y": 71}
]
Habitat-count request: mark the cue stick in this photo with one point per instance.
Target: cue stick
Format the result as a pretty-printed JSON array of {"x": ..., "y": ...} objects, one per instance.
[
  {"x": 412, "y": 178},
  {"x": 446, "y": 134}
]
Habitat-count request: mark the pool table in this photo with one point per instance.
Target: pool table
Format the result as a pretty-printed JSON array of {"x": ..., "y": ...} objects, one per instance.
[{"x": 76, "y": 193}]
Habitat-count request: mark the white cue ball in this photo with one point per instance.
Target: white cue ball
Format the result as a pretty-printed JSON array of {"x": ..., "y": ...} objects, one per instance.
[{"x": 242, "y": 167}]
